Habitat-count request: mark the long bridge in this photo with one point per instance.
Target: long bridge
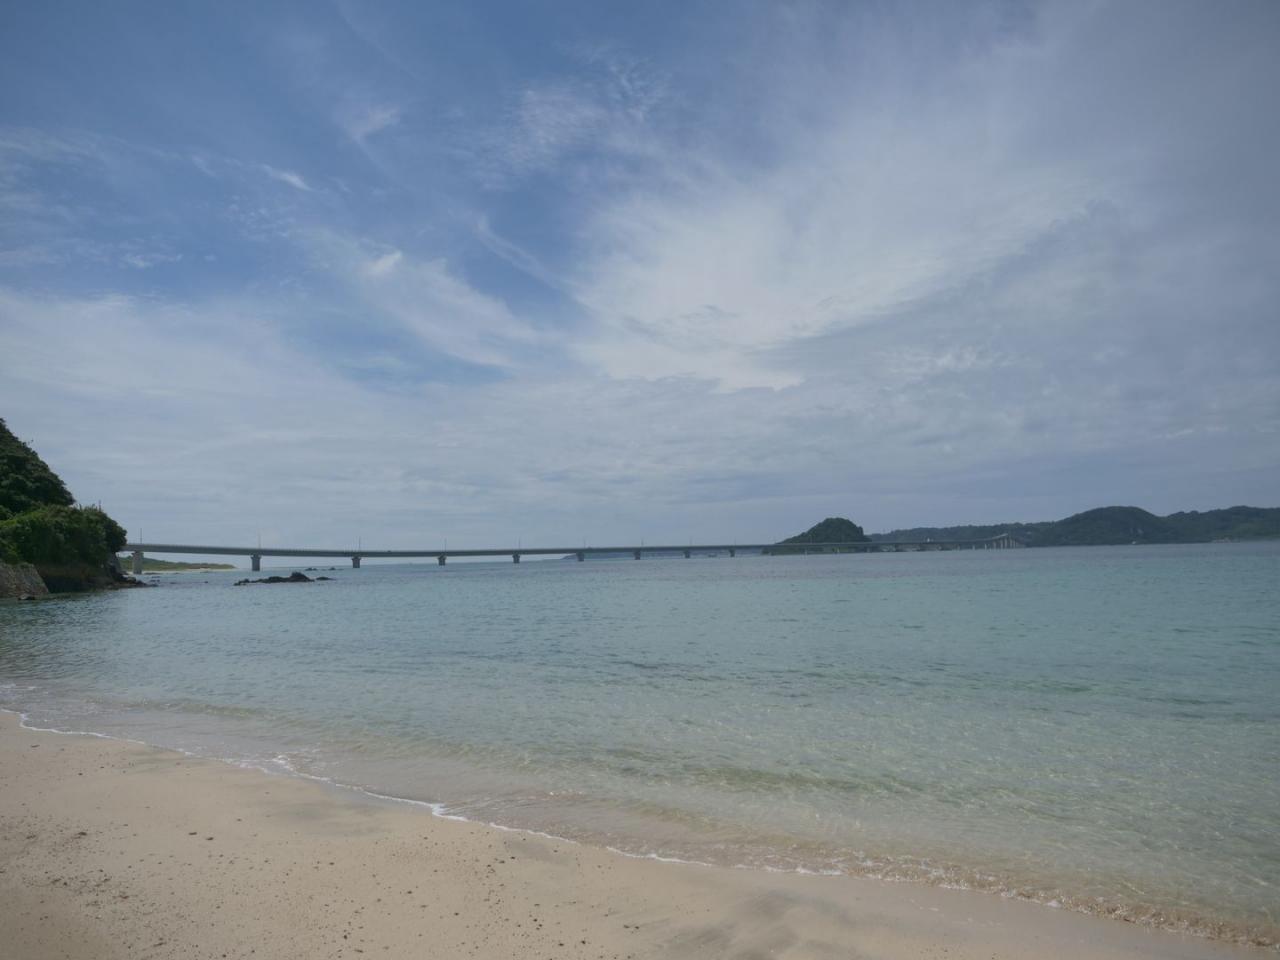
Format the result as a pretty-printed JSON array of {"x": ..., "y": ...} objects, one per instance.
[{"x": 255, "y": 554}]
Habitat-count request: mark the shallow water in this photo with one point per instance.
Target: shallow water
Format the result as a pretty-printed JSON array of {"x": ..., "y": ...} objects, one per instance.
[{"x": 1093, "y": 727}]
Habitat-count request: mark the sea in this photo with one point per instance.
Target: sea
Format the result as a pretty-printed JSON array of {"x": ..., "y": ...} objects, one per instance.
[{"x": 1091, "y": 728}]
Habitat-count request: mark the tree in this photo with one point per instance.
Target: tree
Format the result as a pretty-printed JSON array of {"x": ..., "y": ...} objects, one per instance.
[{"x": 26, "y": 481}]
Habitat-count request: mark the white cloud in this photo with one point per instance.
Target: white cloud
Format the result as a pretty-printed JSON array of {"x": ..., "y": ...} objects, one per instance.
[
  {"x": 384, "y": 265},
  {"x": 294, "y": 180},
  {"x": 363, "y": 121},
  {"x": 517, "y": 256},
  {"x": 544, "y": 124},
  {"x": 426, "y": 298},
  {"x": 878, "y": 206},
  {"x": 221, "y": 424},
  {"x": 916, "y": 169},
  {"x": 147, "y": 260},
  {"x": 604, "y": 109}
]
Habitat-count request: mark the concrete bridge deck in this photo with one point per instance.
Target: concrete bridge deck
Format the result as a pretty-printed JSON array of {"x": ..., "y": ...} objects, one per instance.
[{"x": 255, "y": 554}]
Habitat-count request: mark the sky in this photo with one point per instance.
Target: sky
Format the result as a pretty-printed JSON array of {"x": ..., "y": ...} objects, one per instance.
[{"x": 581, "y": 272}]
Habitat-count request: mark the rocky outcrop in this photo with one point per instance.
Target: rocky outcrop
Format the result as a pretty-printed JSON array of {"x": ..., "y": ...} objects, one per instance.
[
  {"x": 295, "y": 577},
  {"x": 79, "y": 578},
  {"x": 21, "y": 581}
]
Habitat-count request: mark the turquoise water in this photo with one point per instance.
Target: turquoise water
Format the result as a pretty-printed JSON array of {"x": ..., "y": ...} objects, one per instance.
[{"x": 1096, "y": 728}]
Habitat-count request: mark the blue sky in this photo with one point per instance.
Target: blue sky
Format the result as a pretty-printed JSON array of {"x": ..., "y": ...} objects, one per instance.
[{"x": 606, "y": 272}]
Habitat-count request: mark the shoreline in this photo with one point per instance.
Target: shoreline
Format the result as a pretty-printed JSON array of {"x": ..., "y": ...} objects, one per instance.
[{"x": 114, "y": 848}]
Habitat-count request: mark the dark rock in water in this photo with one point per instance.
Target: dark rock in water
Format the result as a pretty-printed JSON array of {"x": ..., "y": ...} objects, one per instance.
[
  {"x": 295, "y": 577},
  {"x": 324, "y": 578}
]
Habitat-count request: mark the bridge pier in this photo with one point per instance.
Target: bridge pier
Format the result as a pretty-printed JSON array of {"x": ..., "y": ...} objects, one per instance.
[
  {"x": 255, "y": 562},
  {"x": 581, "y": 556},
  {"x": 515, "y": 558},
  {"x": 355, "y": 563},
  {"x": 137, "y": 561},
  {"x": 440, "y": 559}
]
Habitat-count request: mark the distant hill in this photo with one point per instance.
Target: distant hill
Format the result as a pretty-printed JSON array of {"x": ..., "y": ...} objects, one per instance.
[
  {"x": 151, "y": 565},
  {"x": 1107, "y": 525},
  {"x": 1025, "y": 532},
  {"x": 1232, "y": 523},
  {"x": 1114, "y": 525},
  {"x": 830, "y": 530}
]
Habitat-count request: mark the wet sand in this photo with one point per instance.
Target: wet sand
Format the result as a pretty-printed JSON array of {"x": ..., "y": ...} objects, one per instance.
[{"x": 111, "y": 849}]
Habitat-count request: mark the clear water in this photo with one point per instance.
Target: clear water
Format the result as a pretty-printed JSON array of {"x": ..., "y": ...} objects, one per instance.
[{"x": 1093, "y": 727}]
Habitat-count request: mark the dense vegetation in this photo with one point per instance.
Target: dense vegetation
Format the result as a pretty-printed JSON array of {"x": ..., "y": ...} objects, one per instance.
[
  {"x": 830, "y": 530},
  {"x": 1232, "y": 523},
  {"x": 26, "y": 482},
  {"x": 1112, "y": 525},
  {"x": 70, "y": 546}
]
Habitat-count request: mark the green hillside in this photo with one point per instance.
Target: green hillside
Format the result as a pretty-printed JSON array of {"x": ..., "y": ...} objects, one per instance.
[
  {"x": 1025, "y": 532},
  {"x": 1115, "y": 525},
  {"x": 1232, "y": 523},
  {"x": 830, "y": 530},
  {"x": 71, "y": 547},
  {"x": 26, "y": 481}
]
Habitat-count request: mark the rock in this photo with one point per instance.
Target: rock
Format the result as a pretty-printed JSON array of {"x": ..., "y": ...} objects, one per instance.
[
  {"x": 21, "y": 581},
  {"x": 295, "y": 577},
  {"x": 126, "y": 582}
]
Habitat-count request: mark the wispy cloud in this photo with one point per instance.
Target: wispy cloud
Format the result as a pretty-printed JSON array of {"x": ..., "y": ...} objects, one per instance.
[
  {"x": 517, "y": 256},
  {"x": 144, "y": 261},
  {"x": 362, "y": 121},
  {"x": 601, "y": 110},
  {"x": 425, "y": 297},
  {"x": 294, "y": 180}
]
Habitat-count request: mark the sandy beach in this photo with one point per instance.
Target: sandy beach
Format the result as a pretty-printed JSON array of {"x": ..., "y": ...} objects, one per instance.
[{"x": 113, "y": 849}]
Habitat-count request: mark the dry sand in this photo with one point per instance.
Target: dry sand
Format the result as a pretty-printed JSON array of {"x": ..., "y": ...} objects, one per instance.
[{"x": 111, "y": 849}]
